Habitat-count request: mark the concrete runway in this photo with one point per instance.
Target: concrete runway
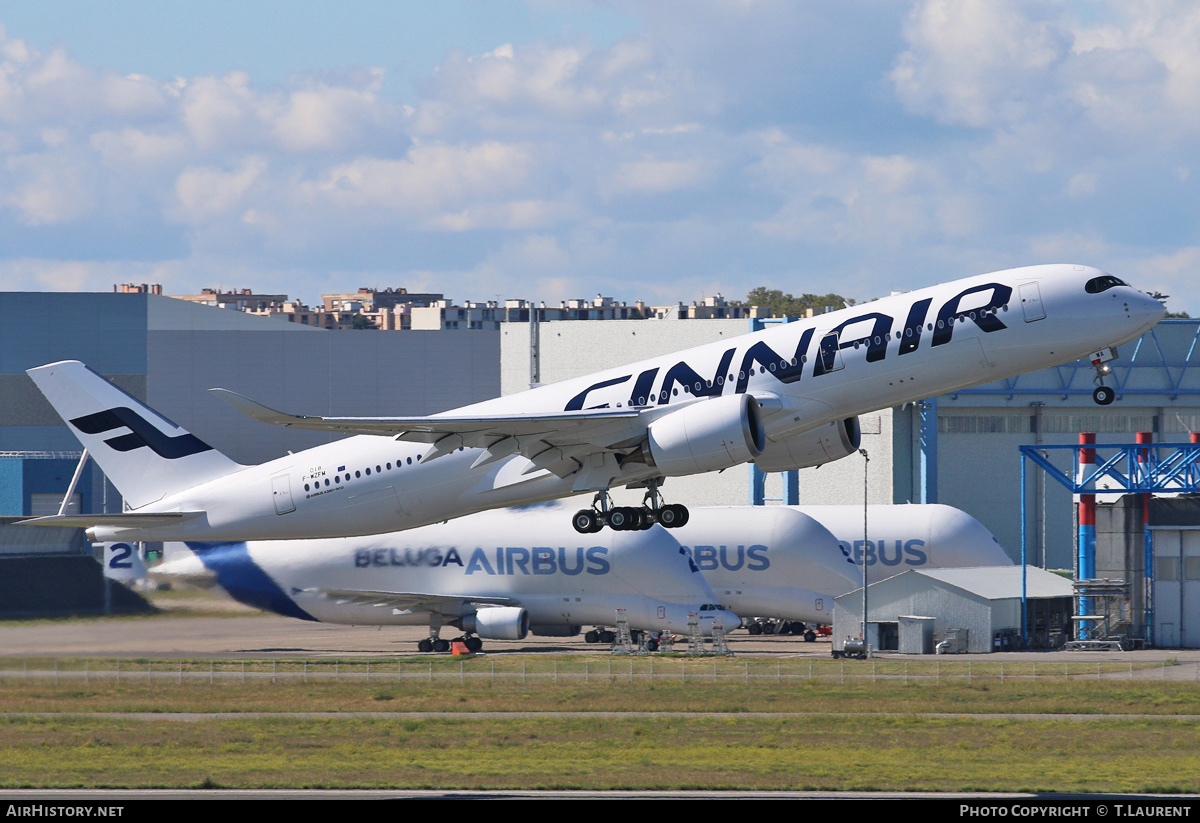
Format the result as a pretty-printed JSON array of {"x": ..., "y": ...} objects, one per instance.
[
  {"x": 249, "y": 634},
  {"x": 268, "y": 636}
]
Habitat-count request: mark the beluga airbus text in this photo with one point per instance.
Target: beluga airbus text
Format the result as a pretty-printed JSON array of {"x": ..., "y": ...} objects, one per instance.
[{"x": 783, "y": 398}]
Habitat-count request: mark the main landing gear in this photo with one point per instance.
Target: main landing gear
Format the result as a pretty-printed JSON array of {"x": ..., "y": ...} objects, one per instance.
[
  {"x": 1103, "y": 395},
  {"x": 630, "y": 518},
  {"x": 434, "y": 643},
  {"x": 437, "y": 644},
  {"x": 608, "y": 637},
  {"x": 782, "y": 627}
]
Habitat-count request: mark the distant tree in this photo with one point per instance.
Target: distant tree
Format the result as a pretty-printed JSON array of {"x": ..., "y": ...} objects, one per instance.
[
  {"x": 786, "y": 305},
  {"x": 361, "y": 322}
]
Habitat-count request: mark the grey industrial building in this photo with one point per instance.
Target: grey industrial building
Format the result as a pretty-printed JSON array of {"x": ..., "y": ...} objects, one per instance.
[{"x": 168, "y": 352}]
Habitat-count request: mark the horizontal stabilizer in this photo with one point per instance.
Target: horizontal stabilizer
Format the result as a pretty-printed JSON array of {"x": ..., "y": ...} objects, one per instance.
[{"x": 126, "y": 520}]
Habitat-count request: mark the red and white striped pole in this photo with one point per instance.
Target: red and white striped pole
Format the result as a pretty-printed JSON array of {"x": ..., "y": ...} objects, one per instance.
[{"x": 1086, "y": 554}]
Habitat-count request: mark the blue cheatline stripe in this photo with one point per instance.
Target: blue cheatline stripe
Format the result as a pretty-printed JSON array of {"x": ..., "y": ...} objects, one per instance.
[{"x": 244, "y": 580}]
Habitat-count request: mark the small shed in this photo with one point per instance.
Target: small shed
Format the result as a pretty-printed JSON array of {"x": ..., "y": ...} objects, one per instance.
[{"x": 985, "y": 601}]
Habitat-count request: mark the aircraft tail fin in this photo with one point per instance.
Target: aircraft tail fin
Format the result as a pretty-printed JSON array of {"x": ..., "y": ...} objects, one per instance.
[{"x": 145, "y": 455}]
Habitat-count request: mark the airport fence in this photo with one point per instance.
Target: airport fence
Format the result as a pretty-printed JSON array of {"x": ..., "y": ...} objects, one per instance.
[{"x": 625, "y": 669}]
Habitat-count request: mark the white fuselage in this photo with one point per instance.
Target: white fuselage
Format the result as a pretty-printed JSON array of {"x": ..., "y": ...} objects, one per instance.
[
  {"x": 894, "y": 350},
  {"x": 789, "y": 562},
  {"x": 561, "y": 578}
]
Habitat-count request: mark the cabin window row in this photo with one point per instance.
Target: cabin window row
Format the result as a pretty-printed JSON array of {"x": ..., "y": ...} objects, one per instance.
[{"x": 338, "y": 478}]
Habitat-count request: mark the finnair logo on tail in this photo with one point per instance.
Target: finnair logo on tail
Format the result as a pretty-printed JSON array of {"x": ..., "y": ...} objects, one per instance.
[{"x": 141, "y": 433}]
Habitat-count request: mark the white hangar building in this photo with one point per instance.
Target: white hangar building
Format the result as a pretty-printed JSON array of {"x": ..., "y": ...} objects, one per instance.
[{"x": 918, "y": 608}]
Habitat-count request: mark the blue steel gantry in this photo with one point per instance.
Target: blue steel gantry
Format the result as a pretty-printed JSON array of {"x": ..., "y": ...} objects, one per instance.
[{"x": 1141, "y": 468}]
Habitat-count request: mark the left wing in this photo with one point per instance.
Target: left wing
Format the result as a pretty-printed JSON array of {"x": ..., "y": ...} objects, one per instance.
[
  {"x": 583, "y": 442},
  {"x": 448, "y": 605}
]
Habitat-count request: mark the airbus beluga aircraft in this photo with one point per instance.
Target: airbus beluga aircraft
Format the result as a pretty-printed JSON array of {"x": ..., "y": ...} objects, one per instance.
[
  {"x": 495, "y": 575},
  {"x": 785, "y": 398}
]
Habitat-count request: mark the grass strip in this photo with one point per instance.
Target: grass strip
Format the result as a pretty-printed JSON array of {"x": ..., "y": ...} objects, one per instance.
[{"x": 819, "y": 753}]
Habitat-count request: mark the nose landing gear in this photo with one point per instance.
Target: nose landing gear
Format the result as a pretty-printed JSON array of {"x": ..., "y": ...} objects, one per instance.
[{"x": 1103, "y": 395}]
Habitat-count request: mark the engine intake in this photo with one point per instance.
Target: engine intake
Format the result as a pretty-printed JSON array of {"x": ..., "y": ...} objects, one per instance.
[{"x": 707, "y": 436}]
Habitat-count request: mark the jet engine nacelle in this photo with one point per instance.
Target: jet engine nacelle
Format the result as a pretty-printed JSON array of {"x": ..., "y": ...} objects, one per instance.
[
  {"x": 498, "y": 623},
  {"x": 707, "y": 436},
  {"x": 832, "y": 441}
]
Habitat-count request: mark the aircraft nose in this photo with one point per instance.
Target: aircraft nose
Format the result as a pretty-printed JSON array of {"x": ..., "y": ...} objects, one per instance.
[
  {"x": 1149, "y": 309},
  {"x": 730, "y": 621},
  {"x": 1142, "y": 311}
]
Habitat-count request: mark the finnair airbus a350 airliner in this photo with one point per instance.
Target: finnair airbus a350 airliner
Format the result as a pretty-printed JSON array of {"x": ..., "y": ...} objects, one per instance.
[{"x": 784, "y": 398}]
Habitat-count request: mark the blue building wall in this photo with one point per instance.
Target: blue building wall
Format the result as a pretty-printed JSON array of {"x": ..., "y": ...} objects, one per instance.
[{"x": 23, "y": 477}]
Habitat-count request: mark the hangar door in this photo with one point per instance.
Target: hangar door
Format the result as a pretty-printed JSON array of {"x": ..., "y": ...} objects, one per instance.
[{"x": 1177, "y": 588}]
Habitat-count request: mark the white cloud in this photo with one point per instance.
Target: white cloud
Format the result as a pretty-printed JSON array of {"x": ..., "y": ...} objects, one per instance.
[
  {"x": 327, "y": 119},
  {"x": 432, "y": 176},
  {"x": 1130, "y": 68},
  {"x": 132, "y": 148},
  {"x": 222, "y": 112},
  {"x": 52, "y": 189},
  {"x": 204, "y": 194},
  {"x": 890, "y": 174},
  {"x": 721, "y": 146},
  {"x": 973, "y": 61}
]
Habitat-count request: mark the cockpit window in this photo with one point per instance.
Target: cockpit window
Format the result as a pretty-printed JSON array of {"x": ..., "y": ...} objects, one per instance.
[{"x": 1099, "y": 284}]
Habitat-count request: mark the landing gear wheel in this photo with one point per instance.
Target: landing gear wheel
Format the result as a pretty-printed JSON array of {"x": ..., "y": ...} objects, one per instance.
[
  {"x": 651, "y": 645},
  {"x": 608, "y": 637},
  {"x": 673, "y": 516},
  {"x": 585, "y": 521},
  {"x": 441, "y": 646},
  {"x": 624, "y": 519},
  {"x": 425, "y": 645},
  {"x": 591, "y": 637},
  {"x": 473, "y": 644},
  {"x": 755, "y": 628},
  {"x": 1103, "y": 395},
  {"x": 810, "y": 636}
]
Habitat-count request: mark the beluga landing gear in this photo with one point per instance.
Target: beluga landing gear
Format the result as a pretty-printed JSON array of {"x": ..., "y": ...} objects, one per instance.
[
  {"x": 1103, "y": 395},
  {"x": 630, "y": 518},
  {"x": 434, "y": 643}
]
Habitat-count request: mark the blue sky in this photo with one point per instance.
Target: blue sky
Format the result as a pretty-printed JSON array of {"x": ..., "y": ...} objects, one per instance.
[{"x": 659, "y": 151}]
